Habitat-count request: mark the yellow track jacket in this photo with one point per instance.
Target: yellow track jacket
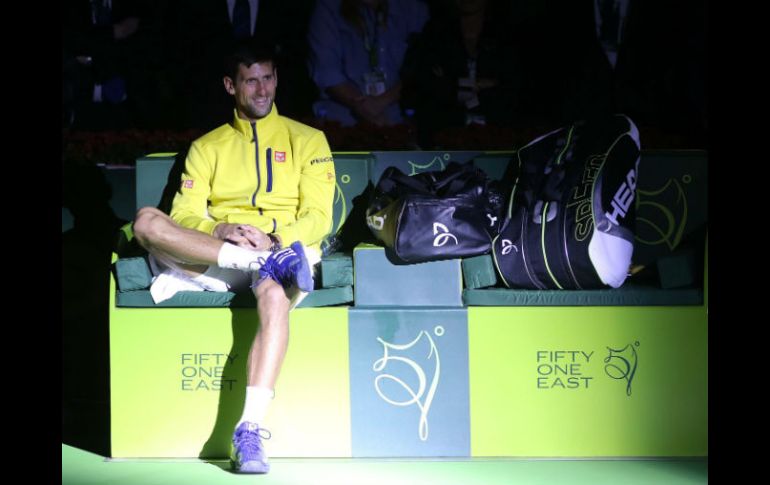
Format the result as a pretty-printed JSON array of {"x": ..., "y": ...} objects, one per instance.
[{"x": 283, "y": 182}]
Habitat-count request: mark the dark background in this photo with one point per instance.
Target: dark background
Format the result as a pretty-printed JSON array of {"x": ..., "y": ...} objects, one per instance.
[{"x": 170, "y": 68}]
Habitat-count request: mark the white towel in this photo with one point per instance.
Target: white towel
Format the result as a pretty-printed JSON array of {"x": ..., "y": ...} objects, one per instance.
[{"x": 166, "y": 284}]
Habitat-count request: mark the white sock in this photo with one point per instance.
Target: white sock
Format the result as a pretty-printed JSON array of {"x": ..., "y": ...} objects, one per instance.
[
  {"x": 236, "y": 257},
  {"x": 257, "y": 401}
]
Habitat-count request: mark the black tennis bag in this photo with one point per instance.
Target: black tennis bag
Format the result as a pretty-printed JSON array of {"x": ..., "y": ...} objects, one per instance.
[
  {"x": 435, "y": 215},
  {"x": 571, "y": 214}
]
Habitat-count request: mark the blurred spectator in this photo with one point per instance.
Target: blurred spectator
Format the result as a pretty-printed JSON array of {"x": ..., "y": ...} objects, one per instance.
[
  {"x": 463, "y": 69},
  {"x": 589, "y": 58},
  {"x": 103, "y": 62},
  {"x": 356, "y": 51},
  {"x": 610, "y": 17},
  {"x": 660, "y": 76},
  {"x": 202, "y": 32}
]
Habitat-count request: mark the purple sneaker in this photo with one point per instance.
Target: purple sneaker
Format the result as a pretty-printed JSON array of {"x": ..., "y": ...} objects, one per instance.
[
  {"x": 247, "y": 454},
  {"x": 289, "y": 266}
]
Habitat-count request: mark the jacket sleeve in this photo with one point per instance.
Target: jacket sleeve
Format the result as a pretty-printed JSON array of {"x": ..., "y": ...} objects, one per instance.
[
  {"x": 190, "y": 206},
  {"x": 316, "y": 195}
]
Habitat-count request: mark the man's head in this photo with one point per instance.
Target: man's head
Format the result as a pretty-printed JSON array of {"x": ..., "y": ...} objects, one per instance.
[{"x": 251, "y": 78}]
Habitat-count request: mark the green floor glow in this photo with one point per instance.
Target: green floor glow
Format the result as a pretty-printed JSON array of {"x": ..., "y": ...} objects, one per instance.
[{"x": 84, "y": 468}]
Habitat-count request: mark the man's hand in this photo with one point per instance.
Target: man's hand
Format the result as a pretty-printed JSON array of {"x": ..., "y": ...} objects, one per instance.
[
  {"x": 372, "y": 109},
  {"x": 369, "y": 108},
  {"x": 243, "y": 235}
]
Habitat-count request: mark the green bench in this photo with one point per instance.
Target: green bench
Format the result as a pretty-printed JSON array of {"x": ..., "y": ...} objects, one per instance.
[{"x": 494, "y": 372}]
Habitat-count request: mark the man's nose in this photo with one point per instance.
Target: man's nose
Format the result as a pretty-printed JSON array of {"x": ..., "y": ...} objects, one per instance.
[{"x": 261, "y": 89}]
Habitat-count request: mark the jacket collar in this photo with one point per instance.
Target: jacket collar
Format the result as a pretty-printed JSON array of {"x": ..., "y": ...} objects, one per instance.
[{"x": 244, "y": 126}]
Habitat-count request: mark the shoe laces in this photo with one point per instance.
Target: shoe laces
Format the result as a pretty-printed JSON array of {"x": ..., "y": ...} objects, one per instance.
[
  {"x": 251, "y": 441},
  {"x": 260, "y": 273},
  {"x": 280, "y": 266}
]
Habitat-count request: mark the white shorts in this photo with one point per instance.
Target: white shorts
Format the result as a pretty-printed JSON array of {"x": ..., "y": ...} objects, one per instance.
[{"x": 166, "y": 282}]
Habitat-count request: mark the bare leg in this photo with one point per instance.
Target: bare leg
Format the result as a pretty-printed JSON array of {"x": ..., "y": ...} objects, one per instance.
[
  {"x": 193, "y": 251},
  {"x": 173, "y": 244},
  {"x": 272, "y": 339}
]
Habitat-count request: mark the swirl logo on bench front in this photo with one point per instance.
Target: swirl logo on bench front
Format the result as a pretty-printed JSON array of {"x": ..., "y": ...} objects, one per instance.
[
  {"x": 418, "y": 397},
  {"x": 409, "y": 392},
  {"x": 621, "y": 364}
]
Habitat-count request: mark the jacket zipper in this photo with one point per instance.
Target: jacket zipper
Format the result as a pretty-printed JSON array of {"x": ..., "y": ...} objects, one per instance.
[{"x": 256, "y": 152}]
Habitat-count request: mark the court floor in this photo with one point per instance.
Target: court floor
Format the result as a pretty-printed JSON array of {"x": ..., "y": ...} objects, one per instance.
[{"x": 85, "y": 468}]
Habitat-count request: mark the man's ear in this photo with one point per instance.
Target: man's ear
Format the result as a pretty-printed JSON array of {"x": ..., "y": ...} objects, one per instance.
[{"x": 229, "y": 85}]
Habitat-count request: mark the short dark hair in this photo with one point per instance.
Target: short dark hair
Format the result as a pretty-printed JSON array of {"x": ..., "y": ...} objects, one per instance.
[{"x": 247, "y": 54}]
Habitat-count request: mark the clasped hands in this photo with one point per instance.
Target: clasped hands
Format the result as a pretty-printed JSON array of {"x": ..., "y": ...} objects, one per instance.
[{"x": 243, "y": 235}]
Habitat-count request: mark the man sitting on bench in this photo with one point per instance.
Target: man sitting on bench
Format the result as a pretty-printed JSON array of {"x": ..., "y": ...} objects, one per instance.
[{"x": 248, "y": 187}]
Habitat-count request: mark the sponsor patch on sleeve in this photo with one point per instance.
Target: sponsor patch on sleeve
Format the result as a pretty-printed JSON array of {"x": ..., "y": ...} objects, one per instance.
[
  {"x": 321, "y": 160},
  {"x": 187, "y": 184},
  {"x": 280, "y": 156}
]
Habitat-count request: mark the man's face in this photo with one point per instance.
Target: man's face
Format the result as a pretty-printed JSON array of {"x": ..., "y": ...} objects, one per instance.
[{"x": 253, "y": 89}]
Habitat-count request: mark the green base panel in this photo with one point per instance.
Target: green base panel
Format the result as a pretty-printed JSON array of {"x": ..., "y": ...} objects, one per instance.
[
  {"x": 143, "y": 299},
  {"x": 624, "y": 296},
  {"x": 178, "y": 382},
  {"x": 588, "y": 381}
]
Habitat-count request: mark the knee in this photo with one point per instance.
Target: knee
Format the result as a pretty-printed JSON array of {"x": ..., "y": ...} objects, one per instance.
[
  {"x": 271, "y": 295},
  {"x": 146, "y": 225}
]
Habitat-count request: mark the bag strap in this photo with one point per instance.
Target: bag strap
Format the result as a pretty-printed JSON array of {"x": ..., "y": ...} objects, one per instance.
[
  {"x": 456, "y": 177},
  {"x": 392, "y": 178},
  {"x": 449, "y": 181}
]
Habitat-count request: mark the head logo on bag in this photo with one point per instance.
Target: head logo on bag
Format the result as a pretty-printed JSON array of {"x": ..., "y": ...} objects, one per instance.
[
  {"x": 443, "y": 236},
  {"x": 623, "y": 198},
  {"x": 571, "y": 214}
]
